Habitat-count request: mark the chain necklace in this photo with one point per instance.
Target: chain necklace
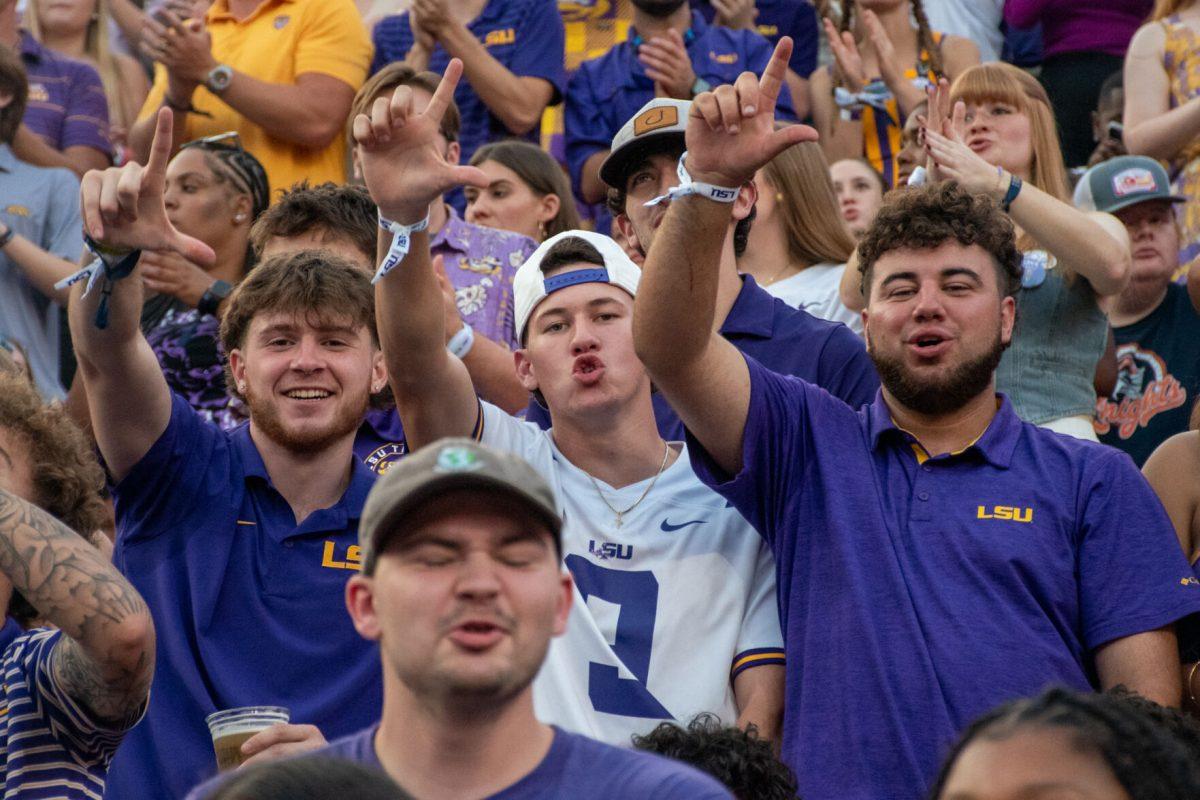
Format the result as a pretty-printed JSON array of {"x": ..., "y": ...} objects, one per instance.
[{"x": 638, "y": 502}]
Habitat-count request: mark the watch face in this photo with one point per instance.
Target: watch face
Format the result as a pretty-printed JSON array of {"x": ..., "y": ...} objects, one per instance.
[{"x": 219, "y": 78}]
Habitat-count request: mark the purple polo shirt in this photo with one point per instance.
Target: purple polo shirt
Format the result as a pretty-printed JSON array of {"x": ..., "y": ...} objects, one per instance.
[
  {"x": 481, "y": 263},
  {"x": 918, "y": 593},
  {"x": 785, "y": 339},
  {"x": 248, "y": 605},
  {"x": 67, "y": 106}
]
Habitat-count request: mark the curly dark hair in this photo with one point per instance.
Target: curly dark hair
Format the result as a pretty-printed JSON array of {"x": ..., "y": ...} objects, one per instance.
[
  {"x": 1152, "y": 751},
  {"x": 67, "y": 479},
  {"x": 315, "y": 778},
  {"x": 737, "y": 758},
  {"x": 925, "y": 217}
]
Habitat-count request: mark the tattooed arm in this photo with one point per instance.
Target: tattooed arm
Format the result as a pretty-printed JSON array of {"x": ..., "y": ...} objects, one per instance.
[{"x": 105, "y": 658}]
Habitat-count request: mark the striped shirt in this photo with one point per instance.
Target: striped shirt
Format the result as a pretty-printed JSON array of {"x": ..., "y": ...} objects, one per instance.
[{"x": 52, "y": 748}]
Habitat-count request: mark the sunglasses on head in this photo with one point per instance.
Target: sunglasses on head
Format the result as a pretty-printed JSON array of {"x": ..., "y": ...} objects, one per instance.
[{"x": 225, "y": 141}]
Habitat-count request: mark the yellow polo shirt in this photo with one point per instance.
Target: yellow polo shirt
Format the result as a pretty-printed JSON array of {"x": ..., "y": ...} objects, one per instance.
[{"x": 279, "y": 41}]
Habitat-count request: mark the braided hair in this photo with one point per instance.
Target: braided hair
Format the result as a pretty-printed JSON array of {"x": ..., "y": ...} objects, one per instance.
[
  {"x": 925, "y": 40},
  {"x": 1153, "y": 753}
]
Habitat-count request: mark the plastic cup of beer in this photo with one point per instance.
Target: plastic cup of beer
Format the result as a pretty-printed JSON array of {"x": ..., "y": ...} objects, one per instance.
[{"x": 232, "y": 727}]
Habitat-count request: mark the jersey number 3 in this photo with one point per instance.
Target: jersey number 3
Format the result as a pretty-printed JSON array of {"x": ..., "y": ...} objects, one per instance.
[{"x": 636, "y": 592}]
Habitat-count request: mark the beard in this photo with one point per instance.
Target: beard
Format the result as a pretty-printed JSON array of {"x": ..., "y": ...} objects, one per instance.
[
  {"x": 347, "y": 418},
  {"x": 940, "y": 396},
  {"x": 658, "y": 8}
]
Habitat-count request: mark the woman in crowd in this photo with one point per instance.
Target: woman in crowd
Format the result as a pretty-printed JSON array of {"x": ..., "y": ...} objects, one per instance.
[
  {"x": 1162, "y": 107},
  {"x": 214, "y": 192},
  {"x": 1002, "y": 140},
  {"x": 798, "y": 246},
  {"x": 882, "y": 65},
  {"x": 80, "y": 29},
  {"x": 1173, "y": 469},
  {"x": 860, "y": 191},
  {"x": 527, "y": 191},
  {"x": 1111, "y": 746}
]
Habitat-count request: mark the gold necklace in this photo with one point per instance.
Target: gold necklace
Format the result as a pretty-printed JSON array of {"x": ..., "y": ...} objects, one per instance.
[{"x": 654, "y": 480}]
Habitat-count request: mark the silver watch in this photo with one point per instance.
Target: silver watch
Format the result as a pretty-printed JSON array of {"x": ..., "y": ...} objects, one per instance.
[{"x": 218, "y": 79}]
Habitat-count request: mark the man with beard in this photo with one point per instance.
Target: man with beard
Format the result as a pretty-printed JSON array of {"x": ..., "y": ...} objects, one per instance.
[
  {"x": 671, "y": 52},
  {"x": 936, "y": 555},
  {"x": 241, "y": 542}
]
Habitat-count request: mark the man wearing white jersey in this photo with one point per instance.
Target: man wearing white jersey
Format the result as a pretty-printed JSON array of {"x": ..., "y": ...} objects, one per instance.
[{"x": 675, "y": 610}]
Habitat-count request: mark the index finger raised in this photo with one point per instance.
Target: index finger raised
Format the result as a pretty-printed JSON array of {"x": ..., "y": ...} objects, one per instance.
[
  {"x": 160, "y": 147},
  {"x": 445, "y": 90},
  {"x": 775, "y": 74}
]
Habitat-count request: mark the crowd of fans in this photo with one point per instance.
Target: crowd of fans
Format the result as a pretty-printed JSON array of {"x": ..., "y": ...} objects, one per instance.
[{"x": 646, "y": 398}]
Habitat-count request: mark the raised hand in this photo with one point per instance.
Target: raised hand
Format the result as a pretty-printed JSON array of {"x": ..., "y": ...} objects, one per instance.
[
  {"x": 171, "y": 273},
  {"x": 890, "y": 68},
  {"x": 123, "y": 206},
  {"x": 731, "y": 130},
  {"x": 957, "y": 162},
  {"x": 401, "y": 154},
  {"x": 847, "y": 60}
]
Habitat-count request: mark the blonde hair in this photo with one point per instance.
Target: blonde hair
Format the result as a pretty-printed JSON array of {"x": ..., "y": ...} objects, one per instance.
[
  {"x": 997, "y": 82},
  {"x": 808, "y": 205},
  {"x": 97, "y": 48},
  {"x": 1166, "y": 8}
]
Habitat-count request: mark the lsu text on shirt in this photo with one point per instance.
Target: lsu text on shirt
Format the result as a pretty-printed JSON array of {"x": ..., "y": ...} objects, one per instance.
[
  {"x": 53, "y": 747},
  {"x": 917, "y": 593},
  {"x": 248, "y": 606},
  {"x": 668, "y": 608},
  {"x": 280, "y": 40}
]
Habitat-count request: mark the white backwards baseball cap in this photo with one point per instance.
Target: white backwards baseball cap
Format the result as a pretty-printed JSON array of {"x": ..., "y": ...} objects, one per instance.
[
  {"x": 660, "y": 123},
  {"x": 530, "y": 286}
]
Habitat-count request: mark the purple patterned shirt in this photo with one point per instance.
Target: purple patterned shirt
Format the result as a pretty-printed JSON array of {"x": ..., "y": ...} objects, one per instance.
[
  {"x": 481, "y": 263},
  {"x": 67, "y": 105}
]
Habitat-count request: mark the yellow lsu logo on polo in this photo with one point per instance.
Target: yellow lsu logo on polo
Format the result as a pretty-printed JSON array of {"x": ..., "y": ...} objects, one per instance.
[
  {"x": 17, "y": 211},
  {"x": 1011, "y": 513},
  {"x": 1189, "y": 581},
  {"x": 723, "y": 58},
  {"x": 768, "y": 30},
  {"x": 495, "y": 38},
  {"x": 352, "y": 558}
]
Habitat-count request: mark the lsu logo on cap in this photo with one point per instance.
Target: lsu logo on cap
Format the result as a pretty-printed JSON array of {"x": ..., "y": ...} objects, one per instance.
[
  {"x": 457, "y": 459},
  {"x": 1133, "y": 181},
  {"x": 655, "y": 118}
]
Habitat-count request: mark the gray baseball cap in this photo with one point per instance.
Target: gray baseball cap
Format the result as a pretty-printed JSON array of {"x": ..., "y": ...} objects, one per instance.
[
  {"x": 662, "y": 120},
  {"x": 446, "y": 465},
  {"x": 1122, "y": 182}
]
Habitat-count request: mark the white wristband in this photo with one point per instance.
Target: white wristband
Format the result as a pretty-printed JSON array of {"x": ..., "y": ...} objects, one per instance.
[
  {"x": 460, "y": 343},
  {"x": 401, "y": 241},
  {"x": 687, "y": 186}
]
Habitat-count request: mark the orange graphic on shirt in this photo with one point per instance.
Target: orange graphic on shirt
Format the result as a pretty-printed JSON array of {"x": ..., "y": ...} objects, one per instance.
[{"x": 1144, "y": 390}]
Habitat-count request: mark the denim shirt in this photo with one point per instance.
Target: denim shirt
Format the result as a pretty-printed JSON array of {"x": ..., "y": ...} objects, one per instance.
[{"x": 1059, "y": 336}]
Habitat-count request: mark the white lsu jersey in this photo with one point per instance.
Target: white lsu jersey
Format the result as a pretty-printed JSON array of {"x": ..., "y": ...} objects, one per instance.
[{"x": 668, "y": 607}]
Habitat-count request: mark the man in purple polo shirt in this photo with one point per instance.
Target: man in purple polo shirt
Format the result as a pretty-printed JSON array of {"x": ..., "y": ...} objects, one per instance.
[
  {"x": 641, "y": 166},
  {"x": 936, "y": 555},
  {"x": 241, "y": 541},
  {"x": 66, "y": 123}
]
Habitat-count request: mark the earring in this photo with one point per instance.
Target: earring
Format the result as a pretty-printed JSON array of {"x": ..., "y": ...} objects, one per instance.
[
  {"x": 239, "y": 217},
  {"x": 779, "y": 197},
  {"x": 542, "y": 231}
]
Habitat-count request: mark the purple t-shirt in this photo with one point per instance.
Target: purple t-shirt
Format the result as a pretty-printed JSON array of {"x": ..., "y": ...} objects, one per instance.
[
  {"x": 919, "y": 593},
  {"x": 575, "y": 767},
  {"x": 481, "y": 263},
  {"x": 67, "y": 106},
  {"x": 1069, "y": 26}
]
